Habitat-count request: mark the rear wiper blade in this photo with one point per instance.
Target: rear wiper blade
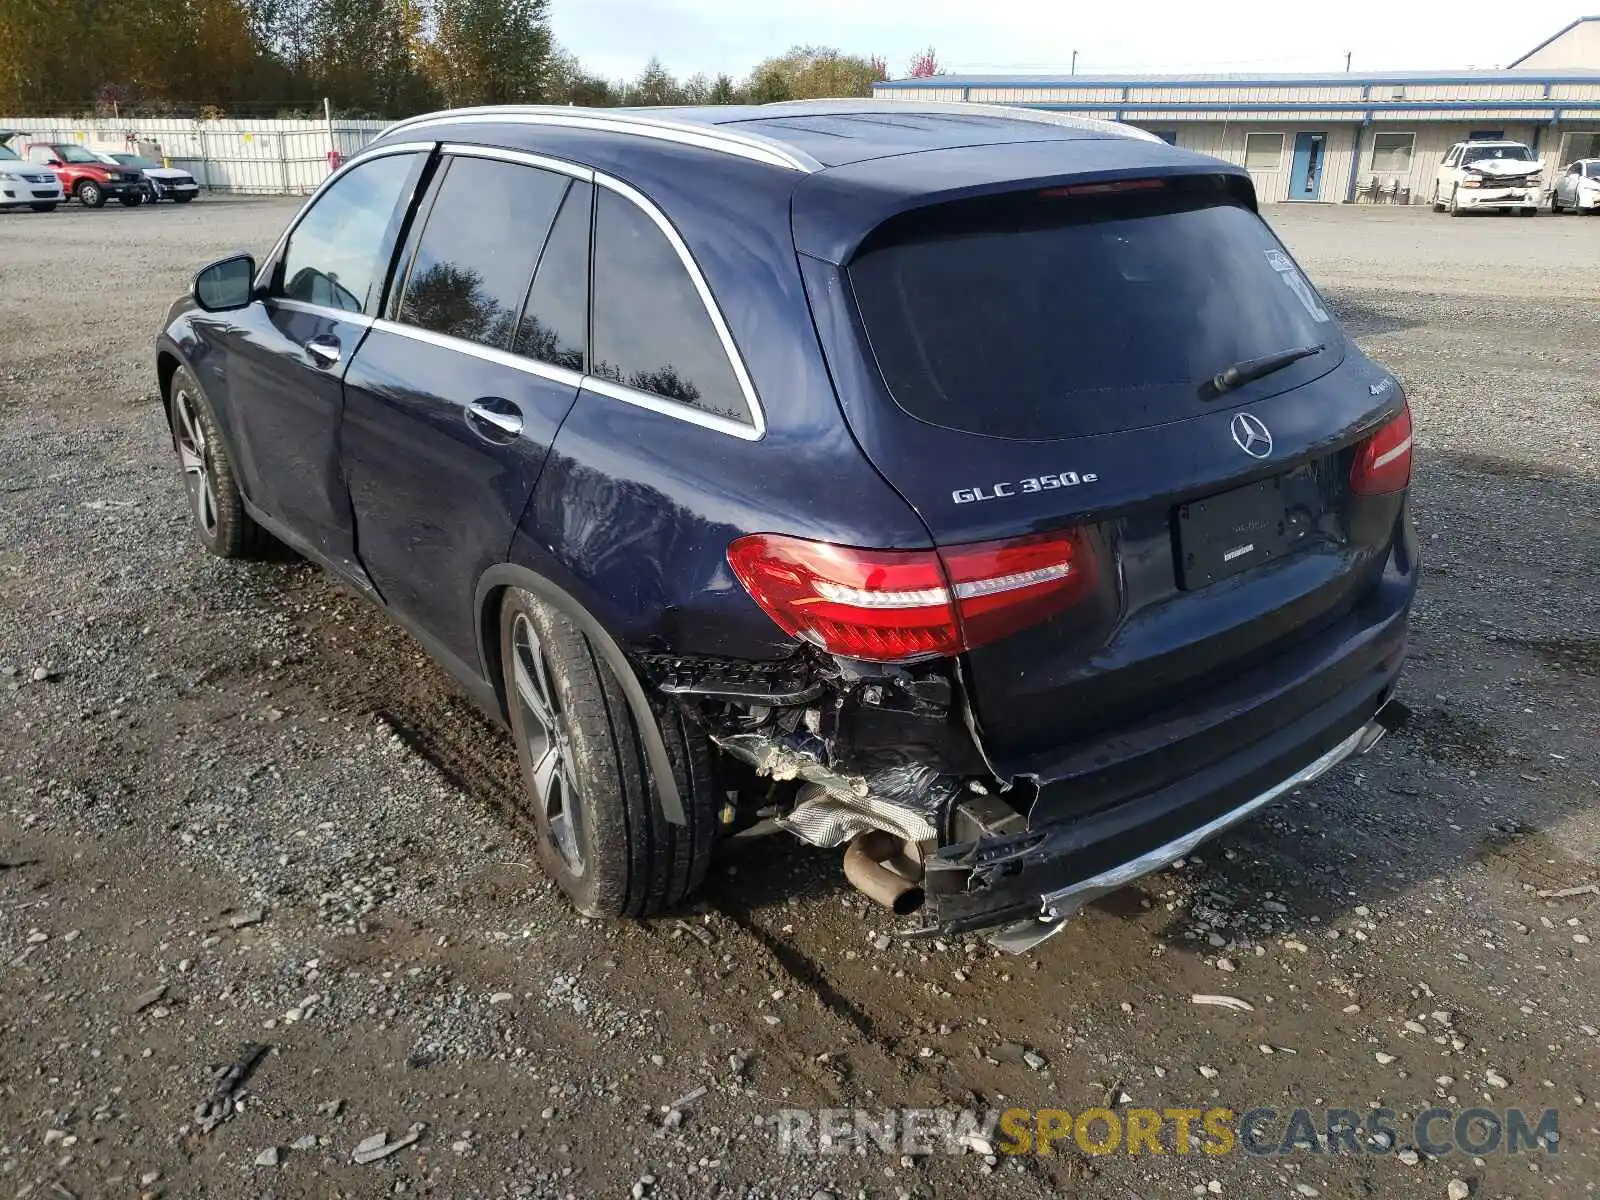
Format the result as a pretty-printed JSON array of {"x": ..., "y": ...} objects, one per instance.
[{"x": 1241, "y": 373}]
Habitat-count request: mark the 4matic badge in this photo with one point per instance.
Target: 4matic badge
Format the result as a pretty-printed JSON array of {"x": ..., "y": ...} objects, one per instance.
[{"x": 1023, "y": 487}]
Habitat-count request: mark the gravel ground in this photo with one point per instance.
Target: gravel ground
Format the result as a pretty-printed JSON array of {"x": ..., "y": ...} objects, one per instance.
[{"x": 238, "y": 808}]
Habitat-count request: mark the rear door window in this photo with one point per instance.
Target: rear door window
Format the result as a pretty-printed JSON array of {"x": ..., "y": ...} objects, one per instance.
[
  {"x": 485, "y": 230},
  {"x": 1055, "y": 314},
  {"x": 652, "y": 331}
]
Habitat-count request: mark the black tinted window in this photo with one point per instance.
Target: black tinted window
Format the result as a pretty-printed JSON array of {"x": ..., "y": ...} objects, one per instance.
[
  {"x": 336, "y": 255},
  {"x": 1054, "y": 315},
  {"x": 553, "y": 325},
  {"x": 651, "y": 330},
  {"x": 484, "y": 232}
]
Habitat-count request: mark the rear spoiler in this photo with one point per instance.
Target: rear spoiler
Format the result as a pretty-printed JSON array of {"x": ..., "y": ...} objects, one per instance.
[{"x": 834, "y": 211}]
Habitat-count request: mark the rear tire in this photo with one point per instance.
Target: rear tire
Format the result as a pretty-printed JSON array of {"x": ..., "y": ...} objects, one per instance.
[
  {"x": 89, "y": 194},
  {"x": 601, "y": 832},
  {"x": 183, "y": 199},
  {"x": 215, "y": 505},
  {"x": 1438, "y": 204},
  {"x": 132, "y": 201},
  {"x": 43, "y": 207}
]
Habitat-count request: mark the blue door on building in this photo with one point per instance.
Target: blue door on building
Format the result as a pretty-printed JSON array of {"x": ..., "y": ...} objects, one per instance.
[{"x": 1305, "y": 172}]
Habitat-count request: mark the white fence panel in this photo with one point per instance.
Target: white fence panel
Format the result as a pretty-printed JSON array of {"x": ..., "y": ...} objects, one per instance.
[{"x": 236, "y": 155}]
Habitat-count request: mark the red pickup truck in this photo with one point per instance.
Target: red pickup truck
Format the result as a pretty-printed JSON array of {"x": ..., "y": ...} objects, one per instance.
[{"x": 85, "y": 177}]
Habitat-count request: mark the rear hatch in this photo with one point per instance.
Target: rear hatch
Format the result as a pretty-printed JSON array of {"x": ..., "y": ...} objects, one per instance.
[{"x": 1046, "y": 360}]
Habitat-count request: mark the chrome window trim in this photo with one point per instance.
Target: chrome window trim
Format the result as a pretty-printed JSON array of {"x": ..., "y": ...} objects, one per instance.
[
  {"x": 262, "y": 276},
  {"x": 753, "y": 431},
  {"x": 757, "y": 427},
  {"x": 670, "y": 408},
  {"x": 572, "y": 379},
  {"x": 521, "y": 157},
  {"x": 322, "y": 310},
  {"x": 503, "y": 358},
  {"x": 740, "y": 144}
]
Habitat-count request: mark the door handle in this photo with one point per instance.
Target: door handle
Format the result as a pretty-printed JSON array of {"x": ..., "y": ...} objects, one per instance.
[
  {"x": 500, "y": 415},
  {"x": 324, "y": 350}
]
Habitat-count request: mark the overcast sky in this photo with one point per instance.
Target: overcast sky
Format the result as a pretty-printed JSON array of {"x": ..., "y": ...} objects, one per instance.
[{"x": 615, "y": 38}]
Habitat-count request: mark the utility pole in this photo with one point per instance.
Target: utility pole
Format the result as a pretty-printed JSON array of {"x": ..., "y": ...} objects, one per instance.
[
  {"x": 1074, "y": 62},
  {"x": 1347, "y": 54}
]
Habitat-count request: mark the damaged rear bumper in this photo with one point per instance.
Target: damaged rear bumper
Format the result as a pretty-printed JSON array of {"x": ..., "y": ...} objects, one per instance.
[{"x": 1024, "y": 885}]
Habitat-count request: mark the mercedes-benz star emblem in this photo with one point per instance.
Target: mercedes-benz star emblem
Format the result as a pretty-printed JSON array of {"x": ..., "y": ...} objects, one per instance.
[{"x": 1253, "y": 437}]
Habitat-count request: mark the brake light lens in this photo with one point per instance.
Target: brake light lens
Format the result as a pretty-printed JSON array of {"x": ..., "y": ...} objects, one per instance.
[
  {"x": 899, "y": 605},
  {"x": 1383, "y": 461}
]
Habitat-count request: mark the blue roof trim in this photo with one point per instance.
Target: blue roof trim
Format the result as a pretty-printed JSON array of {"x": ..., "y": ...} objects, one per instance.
[
  {"x": 1354, "y": 107},
  {"x": 1556, "y": 36},
  {"x": 1103, "y": 81}
]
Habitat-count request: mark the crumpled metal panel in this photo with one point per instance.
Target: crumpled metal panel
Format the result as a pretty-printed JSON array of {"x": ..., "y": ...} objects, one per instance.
[{"x": 826, "y": 818}]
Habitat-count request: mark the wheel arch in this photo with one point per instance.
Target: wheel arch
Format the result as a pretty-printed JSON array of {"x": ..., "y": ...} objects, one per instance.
[
  {"x": 491, "y": 589},
  {"x": 167, "y": 364}
]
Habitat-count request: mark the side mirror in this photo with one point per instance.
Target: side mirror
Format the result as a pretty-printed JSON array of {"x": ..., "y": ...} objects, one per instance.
[{"x": 226, "y": 284}]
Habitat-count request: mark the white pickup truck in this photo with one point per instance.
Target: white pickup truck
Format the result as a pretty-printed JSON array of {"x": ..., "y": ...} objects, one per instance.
[{"x": 1503, "y": 176}]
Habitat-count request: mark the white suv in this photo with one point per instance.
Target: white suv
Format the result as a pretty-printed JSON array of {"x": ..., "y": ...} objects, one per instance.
[{"x": 1488, "y": 175}]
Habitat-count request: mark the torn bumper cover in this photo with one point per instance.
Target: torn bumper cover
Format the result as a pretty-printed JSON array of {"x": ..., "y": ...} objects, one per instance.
[{"x": 1023, "y": 886}]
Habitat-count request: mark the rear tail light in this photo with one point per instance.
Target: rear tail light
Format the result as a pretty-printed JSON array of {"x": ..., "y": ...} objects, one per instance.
[
  {"x": 897, "y": 605},
  {"x": 1383, "y": 461}
]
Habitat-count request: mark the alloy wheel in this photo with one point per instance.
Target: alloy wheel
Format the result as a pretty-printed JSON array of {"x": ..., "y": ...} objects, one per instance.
[
  {"x": 194, "y": 456},
  {"x": 549, "y": 748}
]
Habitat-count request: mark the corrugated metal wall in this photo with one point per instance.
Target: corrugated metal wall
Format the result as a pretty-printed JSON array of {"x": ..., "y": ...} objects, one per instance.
[
  {"x": 1430, "y": 143},
  {"x": 275, "y": 157}
]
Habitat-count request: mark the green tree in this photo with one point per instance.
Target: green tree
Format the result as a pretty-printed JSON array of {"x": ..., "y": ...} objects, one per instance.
[
  {"x": 491, "y": 51},
  {"x": 768, "y": 85},
  {"x": 696, "y": 89},
  {"x": 569, "y": 83},
  {"x": 722, "y": 91},
  {"x": 814, "y": 72},
  {"x": 655, "y": 85}
]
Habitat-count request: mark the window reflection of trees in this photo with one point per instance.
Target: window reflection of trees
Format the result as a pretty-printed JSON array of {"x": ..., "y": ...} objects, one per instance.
[
  {"x": 537, "y": 340},
  {"x": 449, "y": 298},
  {"x": 667, "y": 382}
]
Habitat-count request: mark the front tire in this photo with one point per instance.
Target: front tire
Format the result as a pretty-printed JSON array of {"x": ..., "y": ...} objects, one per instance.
[
  {"x": 51, "y": 207},
  {"x": 1455, "y": 203},
  {"x": 132, "y": 201},
  {"x": 601, "y": 833},
  {"x": 1438, "y": 204},
  {"x": 183, "y": 198},
  {"x": 224, "y": 528},
  {"x": 90, "y": 195}
]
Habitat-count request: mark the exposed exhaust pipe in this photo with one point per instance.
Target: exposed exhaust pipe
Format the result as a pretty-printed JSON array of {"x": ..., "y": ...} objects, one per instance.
[{"x": 886, "y": 870}]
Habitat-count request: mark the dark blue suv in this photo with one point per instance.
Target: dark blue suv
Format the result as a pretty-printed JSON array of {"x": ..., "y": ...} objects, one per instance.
[{"x": 985, "y": 489}]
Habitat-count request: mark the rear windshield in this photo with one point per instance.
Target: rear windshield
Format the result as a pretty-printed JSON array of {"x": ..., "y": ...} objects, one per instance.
[{"x": 1052, "y": 315}]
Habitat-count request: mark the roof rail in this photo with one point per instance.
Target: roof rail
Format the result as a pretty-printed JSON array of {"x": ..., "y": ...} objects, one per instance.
[{"x": 708, "y": 137}]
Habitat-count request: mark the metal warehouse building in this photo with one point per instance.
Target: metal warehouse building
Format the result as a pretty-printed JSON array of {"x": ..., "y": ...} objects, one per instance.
[{"x": 1331, "y": 138}]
